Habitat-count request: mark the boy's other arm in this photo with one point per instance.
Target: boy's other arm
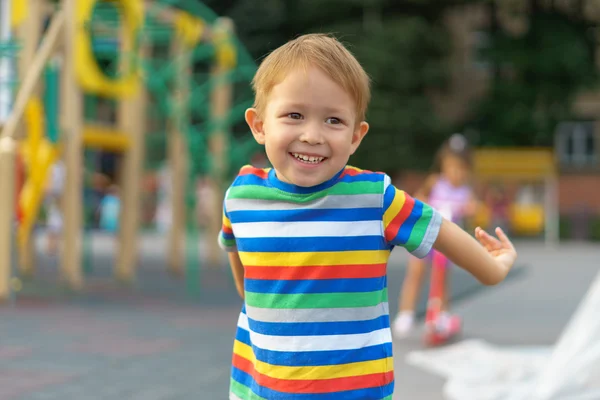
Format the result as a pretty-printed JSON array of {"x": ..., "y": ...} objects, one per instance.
[
  {"x": 237, "y": 268},
  {"x": 489, "y": 261},
  {"x": 424, "y": 191}
]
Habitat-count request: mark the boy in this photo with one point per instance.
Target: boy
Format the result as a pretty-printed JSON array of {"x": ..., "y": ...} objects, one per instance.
[{"x": 308, "y": 241}]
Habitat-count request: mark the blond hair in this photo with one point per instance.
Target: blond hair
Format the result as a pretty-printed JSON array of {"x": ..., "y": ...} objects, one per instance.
[{"x": 313, "y": 50}]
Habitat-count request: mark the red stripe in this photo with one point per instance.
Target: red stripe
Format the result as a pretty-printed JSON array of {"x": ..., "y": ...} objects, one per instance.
[
  {"x": 392, "y": 230},
  {"x": 351, "y": 172},
  {"x": 227, "y": 229},
  {"x": 250, "y": 170},
  {"x": 355, "y": 172},
  {"x": 317, "y": 272},
  {"x": 313, "y": 386}
]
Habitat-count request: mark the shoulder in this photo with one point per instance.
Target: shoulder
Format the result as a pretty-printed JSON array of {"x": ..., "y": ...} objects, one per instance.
[
  {"x": 353, "y": 174},
  {"x": 432, "y": 179},
  {"x": 250, "y": 175},
  {"x": 248, "y": 178}
]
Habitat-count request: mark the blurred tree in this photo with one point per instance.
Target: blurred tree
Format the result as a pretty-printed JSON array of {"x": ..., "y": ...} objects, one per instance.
[
  {"x": 403, "y": 46},
  {"x": 536, "y": 77}
]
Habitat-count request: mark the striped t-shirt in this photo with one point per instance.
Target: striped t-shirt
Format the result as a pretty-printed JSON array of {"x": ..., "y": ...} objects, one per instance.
[{"x": 315, "y": 323}]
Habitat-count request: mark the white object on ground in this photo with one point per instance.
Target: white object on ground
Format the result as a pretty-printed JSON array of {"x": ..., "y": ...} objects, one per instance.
[{"x": 570, "y": 370}]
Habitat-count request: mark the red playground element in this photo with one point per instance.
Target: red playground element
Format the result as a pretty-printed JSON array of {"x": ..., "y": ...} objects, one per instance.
[{"x": 435, "y": 333}]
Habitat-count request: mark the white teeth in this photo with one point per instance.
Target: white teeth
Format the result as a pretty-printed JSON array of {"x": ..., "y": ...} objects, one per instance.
[{"x": 308, "y": 159}]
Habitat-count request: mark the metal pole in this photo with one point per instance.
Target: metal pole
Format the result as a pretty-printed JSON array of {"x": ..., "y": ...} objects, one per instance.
[{"x": 6, "y": 72}]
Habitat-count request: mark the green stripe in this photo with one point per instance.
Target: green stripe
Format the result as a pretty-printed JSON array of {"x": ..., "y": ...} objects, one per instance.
[
  {"x": 419, "y": 229},
  {"x": 227, "y": 242},
  {"x": 316, "y": 300},
  {"x": 267, "y": 193},
  {"x": 242, "y": 391}
]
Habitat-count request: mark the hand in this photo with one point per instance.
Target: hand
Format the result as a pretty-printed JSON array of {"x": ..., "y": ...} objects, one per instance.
[{"x": 501, "y": 249}]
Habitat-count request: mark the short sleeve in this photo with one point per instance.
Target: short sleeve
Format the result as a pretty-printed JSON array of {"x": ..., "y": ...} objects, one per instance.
[
  {"x": 226, "y": 237},
  {"x": 408, "y": 222}
]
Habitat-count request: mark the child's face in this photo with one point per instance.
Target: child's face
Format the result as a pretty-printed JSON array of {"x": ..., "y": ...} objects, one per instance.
[
  {"x": 455, "y": 170},
  {"x": 309, "y": 128}
]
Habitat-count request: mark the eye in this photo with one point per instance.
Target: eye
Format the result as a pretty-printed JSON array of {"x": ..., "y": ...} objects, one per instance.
[
  {"x": 333, "y": 121},
  {"x": 295, "y": 115}
]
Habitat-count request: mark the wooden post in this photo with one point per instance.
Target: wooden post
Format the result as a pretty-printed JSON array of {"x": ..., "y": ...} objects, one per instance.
[
  {"x": 29, "y": 36},
  {"x": 220, "y": 101},
  {"x": 551, "y": 211},
  {"x": 178, "y": 157},
  {"x": 8, "y": 149},
  {"x": 72, "y": 111},
  {"x": 132, "y": 120},
  {"x": 30, "y": 82}
]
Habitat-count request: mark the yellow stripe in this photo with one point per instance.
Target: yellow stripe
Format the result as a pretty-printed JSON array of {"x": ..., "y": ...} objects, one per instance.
[
  {"x": 394, "y": 208},
  {"x": 354, "y": 168},
  {"x": 310, "y": 373},
  {"x": 226, "y": 221},
  {"x": 314, "y": 258}
]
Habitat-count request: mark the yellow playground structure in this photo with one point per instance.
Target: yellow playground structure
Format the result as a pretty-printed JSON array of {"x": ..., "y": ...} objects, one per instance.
[
  {"x": 522, "y": 166},
  {"x": 47, "y": 120}
]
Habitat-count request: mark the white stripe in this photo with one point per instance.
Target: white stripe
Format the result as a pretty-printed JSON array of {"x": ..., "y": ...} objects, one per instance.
[
  {"x": 243, "y": 322},
  {"x": 333, "y": 201},
  {"x": 306, "y": 229},
  {"x": 316, "y": 343},
  {"x": 317, "y": 315},
  {"x": 233, "y": 397},
  {"x": 431, "y": 235}
]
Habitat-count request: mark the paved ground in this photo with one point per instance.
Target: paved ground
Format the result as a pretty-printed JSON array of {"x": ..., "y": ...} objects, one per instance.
[{"x": 155, "y": 342}]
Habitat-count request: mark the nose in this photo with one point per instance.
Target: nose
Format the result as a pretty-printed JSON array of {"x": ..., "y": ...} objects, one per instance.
[{"x": 312, "y": 135}]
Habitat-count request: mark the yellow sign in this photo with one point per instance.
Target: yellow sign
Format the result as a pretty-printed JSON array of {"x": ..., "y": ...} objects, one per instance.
[{"x": 514, "y": 163}]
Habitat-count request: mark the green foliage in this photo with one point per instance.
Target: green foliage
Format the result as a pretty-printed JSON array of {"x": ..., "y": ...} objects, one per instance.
[
  {"x": 404, "y": 47},
  {"x": 404, "y": 130},
  {"x": 538, "y": 76}
]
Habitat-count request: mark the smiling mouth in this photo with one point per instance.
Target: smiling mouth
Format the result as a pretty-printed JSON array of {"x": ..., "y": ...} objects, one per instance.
[{"x": 308, "y": 159}]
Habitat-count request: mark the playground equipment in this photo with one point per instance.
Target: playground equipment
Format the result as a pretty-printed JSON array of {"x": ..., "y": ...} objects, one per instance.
[
  {"x": 525, "y": 166},
  {"x": 192, "y": 99}
]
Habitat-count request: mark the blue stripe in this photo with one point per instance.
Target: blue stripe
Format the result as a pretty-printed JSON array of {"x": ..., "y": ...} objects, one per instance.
[
  {"x": 319, "y": 328},
  {"x": 408, "y": 225},
  {"x": 306, "y": 214},
  {"x": 363, "y": 177},
  {"x": 312, "y": 244},
  {"x": 316, "y": 358},
  {"x": 227, "y": 236},
  {"x": 388, "y": 197},
  {"x": 243, "y": 336},
  {"x": 249, "y": 179},
  {"x": 307, "y": 286},
  {"x": 376, "y": 393}
]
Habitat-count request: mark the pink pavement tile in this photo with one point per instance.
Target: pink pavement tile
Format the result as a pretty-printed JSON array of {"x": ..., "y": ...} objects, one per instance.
[
  {"x": 17, "y": 383},
  {"x": 14, "y": 352},
  {"x": 85, "y": 326},
  {"x": 125, "y": 346}
]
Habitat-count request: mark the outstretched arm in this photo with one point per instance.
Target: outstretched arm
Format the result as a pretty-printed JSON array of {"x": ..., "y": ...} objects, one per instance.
[
  {"x": 237, "y": 270},
  {"x": 489, "y": 261}
]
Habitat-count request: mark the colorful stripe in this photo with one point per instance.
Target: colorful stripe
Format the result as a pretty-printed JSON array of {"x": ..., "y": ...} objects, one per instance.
[{"x": 315, "y": 324}]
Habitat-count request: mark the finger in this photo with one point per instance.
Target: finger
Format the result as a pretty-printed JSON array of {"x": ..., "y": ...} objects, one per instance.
[
  {"x": 487, "y": 240},
  {"x": 504, "y": 240}
]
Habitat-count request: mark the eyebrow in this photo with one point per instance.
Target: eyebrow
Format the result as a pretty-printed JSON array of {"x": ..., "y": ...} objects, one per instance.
[{"x": 333, "y": 110}]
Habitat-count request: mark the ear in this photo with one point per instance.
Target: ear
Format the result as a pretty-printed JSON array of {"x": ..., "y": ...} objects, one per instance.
[
  {"x": 256, "y": 125},
  {"x": 358, "y": 135}
]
